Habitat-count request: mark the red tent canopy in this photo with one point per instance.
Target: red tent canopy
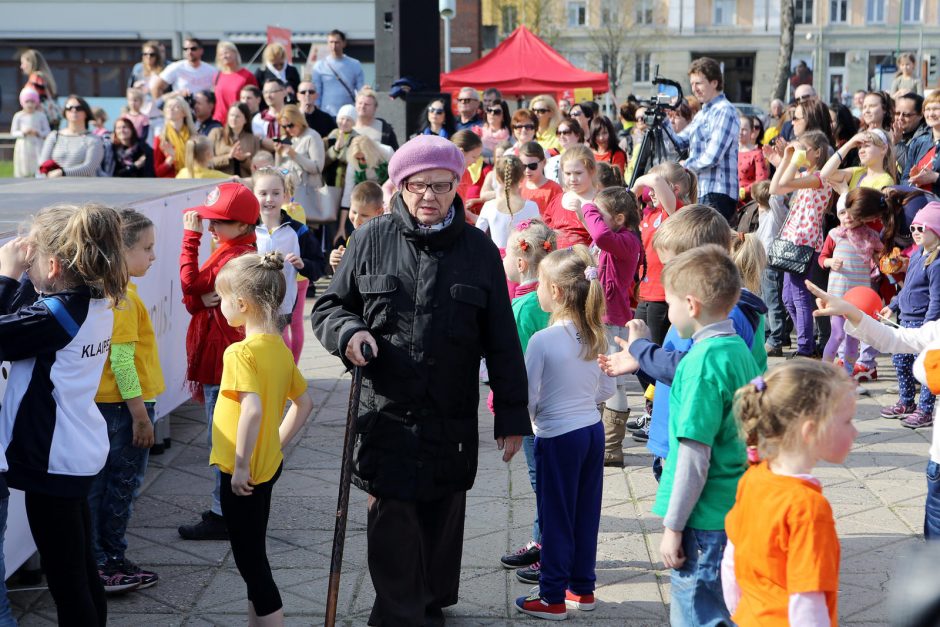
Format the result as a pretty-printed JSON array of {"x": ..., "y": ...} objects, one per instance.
[{"x": 524, "y": 64}]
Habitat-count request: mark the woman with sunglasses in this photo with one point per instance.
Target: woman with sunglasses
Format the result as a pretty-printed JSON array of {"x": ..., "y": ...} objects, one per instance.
[
  {"x": 546, "y": 111},
  {"x": 603, "y": 142},
  {"x": 496, "y": 127},
  {"x": 436, "y": 119},
  {"x": 74, "y": 150},
  {"x": 300, "y": 150},
  {"x": 150, "y": 65},
  {"x": 582, "y": 113},
  {"x": 524, "y": 124},
  {"x": 569, "y": 134},
  {"x": 232, "y": 77},
  {"x": 536, "y": 187}
]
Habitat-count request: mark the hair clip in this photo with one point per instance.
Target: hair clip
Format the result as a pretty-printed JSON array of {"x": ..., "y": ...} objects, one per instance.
[
  {"x": 753, "y": 456},
  {"x": 522, "y": 226},
  {"x": 590, "y": 273},
  {"x": 547, "y": 245},
  {"x": 883, "y": 202},
  {"x": 524, "y": 245},
  {"x": 759, "y": 383}
]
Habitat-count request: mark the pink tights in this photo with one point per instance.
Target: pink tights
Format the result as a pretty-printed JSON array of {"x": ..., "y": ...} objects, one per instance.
[{"x": 294, "y": 332}]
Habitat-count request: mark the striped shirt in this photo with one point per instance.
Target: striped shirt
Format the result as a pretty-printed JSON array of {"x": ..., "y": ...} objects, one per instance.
[
  {"x": 855, "y": 270},
  {"x": 712, "y": 141},
  {"x": 77, "y": 155}
]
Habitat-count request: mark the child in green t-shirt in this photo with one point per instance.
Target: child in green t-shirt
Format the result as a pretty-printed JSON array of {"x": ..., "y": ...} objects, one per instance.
[
  {"x": 707, "y": 455},
  {"x": 526, "y": 247}
]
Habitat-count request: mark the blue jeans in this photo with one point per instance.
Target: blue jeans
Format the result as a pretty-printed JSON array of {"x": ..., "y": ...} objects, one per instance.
[
  {"x": 528, "y": 447},
  {"x": 211, "y": 394},
  {"x": 113, "y": 492},
  {"x": 722, "y": 203},
  {"x": 697, "y": 599},
  {"x": 932, "y": 507},
  {"x": 772, "y": 292},
  {"x": 6, "y": 613}
]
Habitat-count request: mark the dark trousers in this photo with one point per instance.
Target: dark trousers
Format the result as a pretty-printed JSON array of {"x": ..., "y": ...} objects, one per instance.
[
  {"x": 61, "y": 528},
  {"x": 724, "y": 204},
  {"x": 656, "y": 316},
  {"x": 414, "y": 551},
  {"x": 570, "y": 469},
  {"x": 246, "y": 518}
]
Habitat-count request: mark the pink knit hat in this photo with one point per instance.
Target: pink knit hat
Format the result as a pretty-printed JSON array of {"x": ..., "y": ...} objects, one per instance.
[
  {"x": 929, "y": 216},
  {"x": 28, "y": 94},
  {"x": 425, "y": 152}
]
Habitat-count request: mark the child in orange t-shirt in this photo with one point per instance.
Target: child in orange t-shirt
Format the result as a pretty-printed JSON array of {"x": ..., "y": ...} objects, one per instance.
[{"x": 781, "y": 563}]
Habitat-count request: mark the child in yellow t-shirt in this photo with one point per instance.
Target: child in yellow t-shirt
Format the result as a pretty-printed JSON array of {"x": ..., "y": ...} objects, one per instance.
[
  {"x": 130, "y": 383},
  {"x": 258, "y": 377}
]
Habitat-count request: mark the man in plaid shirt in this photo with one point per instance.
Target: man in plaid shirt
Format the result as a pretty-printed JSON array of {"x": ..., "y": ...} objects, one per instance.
[{"x": 711, "y": 139}]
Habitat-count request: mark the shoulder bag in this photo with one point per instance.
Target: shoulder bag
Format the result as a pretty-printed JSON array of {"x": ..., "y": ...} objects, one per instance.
[{"x": 786, "y": 256}]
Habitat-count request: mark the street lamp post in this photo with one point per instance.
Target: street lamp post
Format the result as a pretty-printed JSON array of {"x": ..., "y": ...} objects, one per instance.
[{"x": 448, "y": 9}]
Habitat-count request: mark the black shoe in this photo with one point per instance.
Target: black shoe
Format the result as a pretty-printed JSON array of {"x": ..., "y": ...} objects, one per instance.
[
  {"x": 526, "y": 556},
  {"x": 643, "y": 435},
  {"x": 530, "y": 574},
  {"x": 773, "y": 351},
  {"x": 211, "y": 527}
]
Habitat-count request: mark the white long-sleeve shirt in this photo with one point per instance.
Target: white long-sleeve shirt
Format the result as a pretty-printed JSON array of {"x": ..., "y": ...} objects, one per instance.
[
  {"x": 891, "y": 340},
  {"x": 564, "y": 388}
]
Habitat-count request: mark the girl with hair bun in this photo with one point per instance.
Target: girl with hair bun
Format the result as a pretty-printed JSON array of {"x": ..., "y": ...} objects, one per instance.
[{"x": 781, "y": 563}]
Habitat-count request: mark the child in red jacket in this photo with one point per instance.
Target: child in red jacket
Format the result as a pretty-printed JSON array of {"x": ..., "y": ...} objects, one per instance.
[{"x": 232, "y": 211}]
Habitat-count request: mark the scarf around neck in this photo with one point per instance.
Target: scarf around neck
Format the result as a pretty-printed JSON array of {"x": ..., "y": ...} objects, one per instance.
[{"x": 178, "y": 139}]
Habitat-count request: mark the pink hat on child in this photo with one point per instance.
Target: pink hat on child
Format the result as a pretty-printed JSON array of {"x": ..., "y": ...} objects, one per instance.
[
  {"x": 28, "y": 94},
  {"x": 929, "y": 216}
]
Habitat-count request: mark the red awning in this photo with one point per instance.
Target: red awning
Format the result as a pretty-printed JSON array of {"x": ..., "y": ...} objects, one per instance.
[{"x": 521, "y": 65}]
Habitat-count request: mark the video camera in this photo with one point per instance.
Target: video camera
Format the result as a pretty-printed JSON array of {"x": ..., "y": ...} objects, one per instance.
[
  {"x": 668, "y": 97},
  {"x": 652, "y": 149}
]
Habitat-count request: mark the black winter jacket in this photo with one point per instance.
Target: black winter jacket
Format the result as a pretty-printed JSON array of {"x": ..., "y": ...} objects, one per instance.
[{"x": 435, "y": 301}]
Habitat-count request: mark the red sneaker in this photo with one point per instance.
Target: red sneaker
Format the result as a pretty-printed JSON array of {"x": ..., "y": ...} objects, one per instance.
[
  {"x": 534, "y": 605},
  {"x": 864, "y": 373},
  {"x": 583, "y": 602}
]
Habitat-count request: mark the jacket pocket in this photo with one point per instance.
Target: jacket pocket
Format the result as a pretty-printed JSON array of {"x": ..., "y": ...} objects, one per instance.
[
  {"x": 378, "y": 291},
  {"x": 469, "y": 302}
]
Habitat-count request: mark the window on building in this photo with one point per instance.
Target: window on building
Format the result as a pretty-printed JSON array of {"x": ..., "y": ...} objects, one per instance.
[
  {"x": 839, "y": 11},
  {"x": 724, "y": 12},
  {"x": 644, "y": 11},
  {"x": 641, "y": 68},
  {"x": 610, "y": 12},
  {"x": 803, "y": 12},
  {"x": 577, "y": 14},
  {"x": 912, "y": 11},
  {"x": 875, "y": 11},
  {"x": 509, "y": 19}
]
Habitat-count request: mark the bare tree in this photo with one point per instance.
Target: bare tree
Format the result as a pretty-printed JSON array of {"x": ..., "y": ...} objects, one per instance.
[
  {"x": 782, "y": 74},
  {"x": 619, "y": 36},
  {"x": 539, "y": 16}
]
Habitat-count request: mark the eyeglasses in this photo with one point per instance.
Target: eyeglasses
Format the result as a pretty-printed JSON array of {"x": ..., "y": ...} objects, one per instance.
[
  {"x": 495, "y": 111},
  {"x": 576, "y": 113},
  {"x": 541, "y": 111},
  {"x": 420, "y": 187},
  {"x": 435, "y": 110},
  {"x": 918, "y": 228},
  {"x": 149, "y": 54},
  {"x": 533, "y": 166},
  {"x": 528, "y": 127},
  {"x": 799, "y": 117},
  {"x": 73, "y": 108},
  {"x": 288, "y": 126},
  {"x": 466, "y": 100},
  {"x": 275, "y": 91},
  {"x": 307, "y": 92},
  {"x": 565, "y": 131},
  {"x": 190, "y": 48}
]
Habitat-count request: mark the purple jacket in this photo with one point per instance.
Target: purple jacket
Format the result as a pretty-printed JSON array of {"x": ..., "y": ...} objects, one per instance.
[{"x": 617, "y": 263}]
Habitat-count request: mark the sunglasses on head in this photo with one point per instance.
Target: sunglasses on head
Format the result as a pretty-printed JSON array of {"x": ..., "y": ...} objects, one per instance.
[
  {"x": 528, "y": 127},
  {"x": 435, "y": 110},
  {"x": 495, "y": 111},
  {"x": 532, "y": 166}
]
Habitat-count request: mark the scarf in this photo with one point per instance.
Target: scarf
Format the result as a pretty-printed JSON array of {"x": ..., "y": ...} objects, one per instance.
[
  {"x": 196, "y": 334},
  {"x": 475, "y": 169},
  {"x": 268, "y": 116},
  {"x": 863, "y": 238},
  {"x": 178, "y": 139},
  {"x": 440, "y": 225}
]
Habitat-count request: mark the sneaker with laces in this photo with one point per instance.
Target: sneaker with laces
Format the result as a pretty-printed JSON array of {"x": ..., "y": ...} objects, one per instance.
[
  {"x": 529, "y": 574},
  {"x": 115, "y": 580},
  {"x": 898, "y": 410},
  {"x": 211, "y": 527},
  {"x": 583, "y": 602},
  {"x": 535, "y": 605},
  {"x": 917, "y": 420},
  {"x": 147, "y": 578},
  {"x": 643, "y": 435},
  {"x": 637, "y": 422},
  {"x": 864, "y": 373},
  {"x": 526, "y": 556}
]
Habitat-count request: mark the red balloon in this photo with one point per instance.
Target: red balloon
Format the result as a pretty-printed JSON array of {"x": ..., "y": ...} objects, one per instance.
[{"x": 865, "y": 299}]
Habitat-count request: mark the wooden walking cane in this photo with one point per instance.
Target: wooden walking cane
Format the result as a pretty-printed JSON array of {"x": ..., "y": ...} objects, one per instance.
[{"x": 345, "y": 478}]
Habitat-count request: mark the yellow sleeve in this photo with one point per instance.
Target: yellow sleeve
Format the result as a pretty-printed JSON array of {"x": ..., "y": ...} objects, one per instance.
[
  {"x": 298, "y": 384},
  {"x": 239, "y": 372},
  {"x": 126, "y": 323}
]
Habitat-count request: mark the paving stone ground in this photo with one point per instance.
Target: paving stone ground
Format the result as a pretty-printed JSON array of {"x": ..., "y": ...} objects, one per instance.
[{"x": 877, "y": 496}]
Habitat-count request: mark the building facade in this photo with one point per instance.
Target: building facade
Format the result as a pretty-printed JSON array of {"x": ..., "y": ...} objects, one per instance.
[{"x": 843, "y": 43}]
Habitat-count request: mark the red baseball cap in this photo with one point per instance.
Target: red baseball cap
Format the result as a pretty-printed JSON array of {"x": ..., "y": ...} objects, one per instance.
[{"x": 230, "y": 201}]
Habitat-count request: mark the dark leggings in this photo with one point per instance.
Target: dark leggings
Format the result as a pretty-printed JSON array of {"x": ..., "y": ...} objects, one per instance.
[
  {"x": 656, "y": 316},
  {"x": 61, "y": 528},
  {"x": 247, "y": 520}
]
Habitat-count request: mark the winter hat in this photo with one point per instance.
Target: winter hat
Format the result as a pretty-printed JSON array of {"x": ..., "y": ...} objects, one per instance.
[
  {"x": 28, "y": 95},
  {"x": 425, "y": 152},
  {"x": 929, "y": 216},
  {"x": 347, "y": 111}
]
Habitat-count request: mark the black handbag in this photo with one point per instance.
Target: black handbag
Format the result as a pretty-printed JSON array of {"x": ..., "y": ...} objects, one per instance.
[{"x": 786, "y": 256}]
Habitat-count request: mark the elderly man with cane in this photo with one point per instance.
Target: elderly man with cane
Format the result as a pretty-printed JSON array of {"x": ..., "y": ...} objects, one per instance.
[{"x": 427, "y": 292}]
